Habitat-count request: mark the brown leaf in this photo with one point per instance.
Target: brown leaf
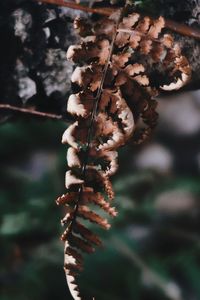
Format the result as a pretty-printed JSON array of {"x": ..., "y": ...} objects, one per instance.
[
  {"x": 75, "y": 107},
  {"x": 90, "y": 49},
  {"x": 98, "y": 199},
  {"x": 87, "y": 234},
  {"x": 81, "y": 244},
  {"x": 86, "y": 213},
  {"x": 144, "y": 25},
  {"x": 129, "y": 21},
  {"x": 66, "y": 198},
  {"x": 156, "y": 28},
  {"x": 121, "y": 59},
  {"x": 114, "y": 105},
  {"x": 71, "y": 179},
  {"x": 73, "y": 159}
]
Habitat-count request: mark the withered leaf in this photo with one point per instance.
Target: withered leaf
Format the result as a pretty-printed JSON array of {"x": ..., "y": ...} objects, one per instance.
[{"x": 115, "y": 95}]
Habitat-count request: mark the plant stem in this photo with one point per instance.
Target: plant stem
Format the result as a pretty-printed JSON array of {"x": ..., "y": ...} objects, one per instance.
[
  {"x": 92, "y": 120},
  {"x": 31, "y": 111}
]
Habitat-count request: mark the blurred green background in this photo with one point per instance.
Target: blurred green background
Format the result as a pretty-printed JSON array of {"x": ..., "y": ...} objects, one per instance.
[
  {"x": 153, "y": 248},
  {"x": 152, "y": 251}
]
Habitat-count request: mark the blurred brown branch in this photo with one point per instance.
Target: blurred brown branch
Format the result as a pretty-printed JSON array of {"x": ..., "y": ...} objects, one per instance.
[
  {"x": 31, "y": 111},
  {"x": 182, "y": 29},
  {"x": 107, "y": 11}
]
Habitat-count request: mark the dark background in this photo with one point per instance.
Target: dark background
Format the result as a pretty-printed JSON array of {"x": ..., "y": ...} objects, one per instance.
[{"x": 152, "y": 251}]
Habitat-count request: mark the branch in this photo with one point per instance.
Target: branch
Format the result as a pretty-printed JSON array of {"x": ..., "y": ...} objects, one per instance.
[
  {"x": 30, "y": 111},
  {"x": 107, "y": 11},
  {"x": 182, "y": 29}
]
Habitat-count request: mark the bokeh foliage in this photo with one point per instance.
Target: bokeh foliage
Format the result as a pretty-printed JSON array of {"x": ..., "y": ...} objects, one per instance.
[
  {"x": 152, "y": 251},
  {"x": 148, "y": 253}
]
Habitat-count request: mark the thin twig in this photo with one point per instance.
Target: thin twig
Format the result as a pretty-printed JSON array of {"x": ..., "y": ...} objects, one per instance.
[
  {"x": 107, "y": 11},
  {"x": 182, "y": 29},
  {"x": 31, "y": 111}
]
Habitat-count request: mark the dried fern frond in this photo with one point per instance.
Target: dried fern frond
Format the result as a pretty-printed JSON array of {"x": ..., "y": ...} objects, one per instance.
[{"x": 116, "y": 91}]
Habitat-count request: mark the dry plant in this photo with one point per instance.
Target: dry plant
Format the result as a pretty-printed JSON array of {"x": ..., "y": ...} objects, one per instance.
[{"x": 113, "y": 103}]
